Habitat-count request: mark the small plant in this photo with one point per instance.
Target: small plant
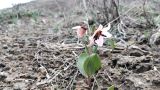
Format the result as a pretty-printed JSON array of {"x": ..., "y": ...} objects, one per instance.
[
  {"x": 34, "y": 15},
  {"x": 111, "y": 43},
  {"x": 111, "y": 87},
  {"x": 12, "y": 16},
  {"x": 89, "y": 61}
]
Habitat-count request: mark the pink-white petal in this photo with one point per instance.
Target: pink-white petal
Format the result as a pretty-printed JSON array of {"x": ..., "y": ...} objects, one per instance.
[
  {"x": 91, "y": 42},
  {"x": 76, "y": 27},
  {"x": 105, "y": 31},
  {"x": 107, "y": 34},
  {"x": 108, "y": 27},
  {"x": 99, "y": 41},
  {"x": 100, "y": 27},
  {"x": 81, "y": 32}
]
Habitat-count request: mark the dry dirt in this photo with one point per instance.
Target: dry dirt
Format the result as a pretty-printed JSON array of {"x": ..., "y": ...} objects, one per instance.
[{"x": 39, "y": 51}]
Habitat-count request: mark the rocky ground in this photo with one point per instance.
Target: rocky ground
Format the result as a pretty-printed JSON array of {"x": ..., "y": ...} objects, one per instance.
[{"x": 39, "y": 50}]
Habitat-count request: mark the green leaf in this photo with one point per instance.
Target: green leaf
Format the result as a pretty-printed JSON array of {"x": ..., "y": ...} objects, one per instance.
[
  {"x": 96, "y": 61},
  {"x": 80, "y": 63},
  {"x": 111, "y": 42},
  {"x": 111, "y": 87},
  {"x": 88, "y": 65},
  {"x": 146, "y": 34}
]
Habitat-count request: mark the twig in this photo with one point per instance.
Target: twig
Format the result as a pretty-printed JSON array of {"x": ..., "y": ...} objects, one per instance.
[
  {"x": 74, "y": 78},
  {"x": 120, "y": 15},
  {"x": 145, "y": 13},
  {"x": 104, "y": 78},
  {"x": 136, "y": 47},
  {"x": 93, "y": 85},
  {"x": 120, "y": 29},
  {"x": 155, "y": 69},
  {"x": 50, "y": 80},
  {"x": 108, "y": 76},
  {"x": 59, "y": 6},
  {"x": 121, "y": 84},
  {"x": 42, "y": 68},
  {"x": 74, "y": 54},
  {"x": 45, "y": 70},
  {"x": 96, "y": 81}
]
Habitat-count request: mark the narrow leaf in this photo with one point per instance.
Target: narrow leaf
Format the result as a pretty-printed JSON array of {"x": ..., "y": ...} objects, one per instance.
[
  {"x": 111, "y": 42},
  {"x": 111, "y": 87}
]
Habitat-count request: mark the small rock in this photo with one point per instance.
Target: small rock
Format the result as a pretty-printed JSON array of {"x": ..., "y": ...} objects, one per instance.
[
  {"x": 33, "y": 45},
  {"x": 5, "y": 47},
  {"x": 2, "y": 65},
  {"x": 6, "y": 68},
  {"x": 21, "y": 58},
  {"x": 3, "y": 76},
  {"x": 11, "y": 52},
  {"x": 156, "y": 82},
  {"x": 143, "y": 40},
  {"x": 143, "y": 68},
  {"x": 28, "y": 77},
  {"x": 136, "y": 53},
  {"x": 19, "y": 86}
]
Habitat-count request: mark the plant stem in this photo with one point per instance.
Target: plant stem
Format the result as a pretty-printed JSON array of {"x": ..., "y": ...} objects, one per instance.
[
  {"x": 88, "y": 50},
  {"x": 89, "y": 81},
  {"x": 85, "y": 7}
]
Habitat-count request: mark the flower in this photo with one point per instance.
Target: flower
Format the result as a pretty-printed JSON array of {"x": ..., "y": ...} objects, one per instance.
[
  {"x": 81, "y": 30},
  {"x": 99, "y": 35}
]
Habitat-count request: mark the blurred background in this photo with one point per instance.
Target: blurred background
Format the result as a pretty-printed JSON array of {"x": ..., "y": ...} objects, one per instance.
[
  {"x": 38, "y": 48},
  {"x": 10, "y": 3}
]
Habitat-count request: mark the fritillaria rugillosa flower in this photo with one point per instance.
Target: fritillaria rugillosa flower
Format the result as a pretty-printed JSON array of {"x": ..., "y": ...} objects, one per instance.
[
  {"x": 81, "y": 31},
  {"x": 99, "y": 35}
]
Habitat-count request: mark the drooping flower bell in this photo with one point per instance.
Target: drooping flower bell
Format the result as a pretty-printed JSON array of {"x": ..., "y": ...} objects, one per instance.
[
  {"x": 99, "y": 35},
  {"x": 81, "y": 31}
]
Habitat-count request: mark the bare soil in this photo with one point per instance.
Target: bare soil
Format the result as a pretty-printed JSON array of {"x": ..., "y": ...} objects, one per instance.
[{"x": 39, "y": 52}]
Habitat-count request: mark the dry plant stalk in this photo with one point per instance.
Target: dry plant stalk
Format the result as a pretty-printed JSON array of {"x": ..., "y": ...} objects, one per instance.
[
  {"x": 111, "y": 10},
  {"x": 148, "y": 18}
]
